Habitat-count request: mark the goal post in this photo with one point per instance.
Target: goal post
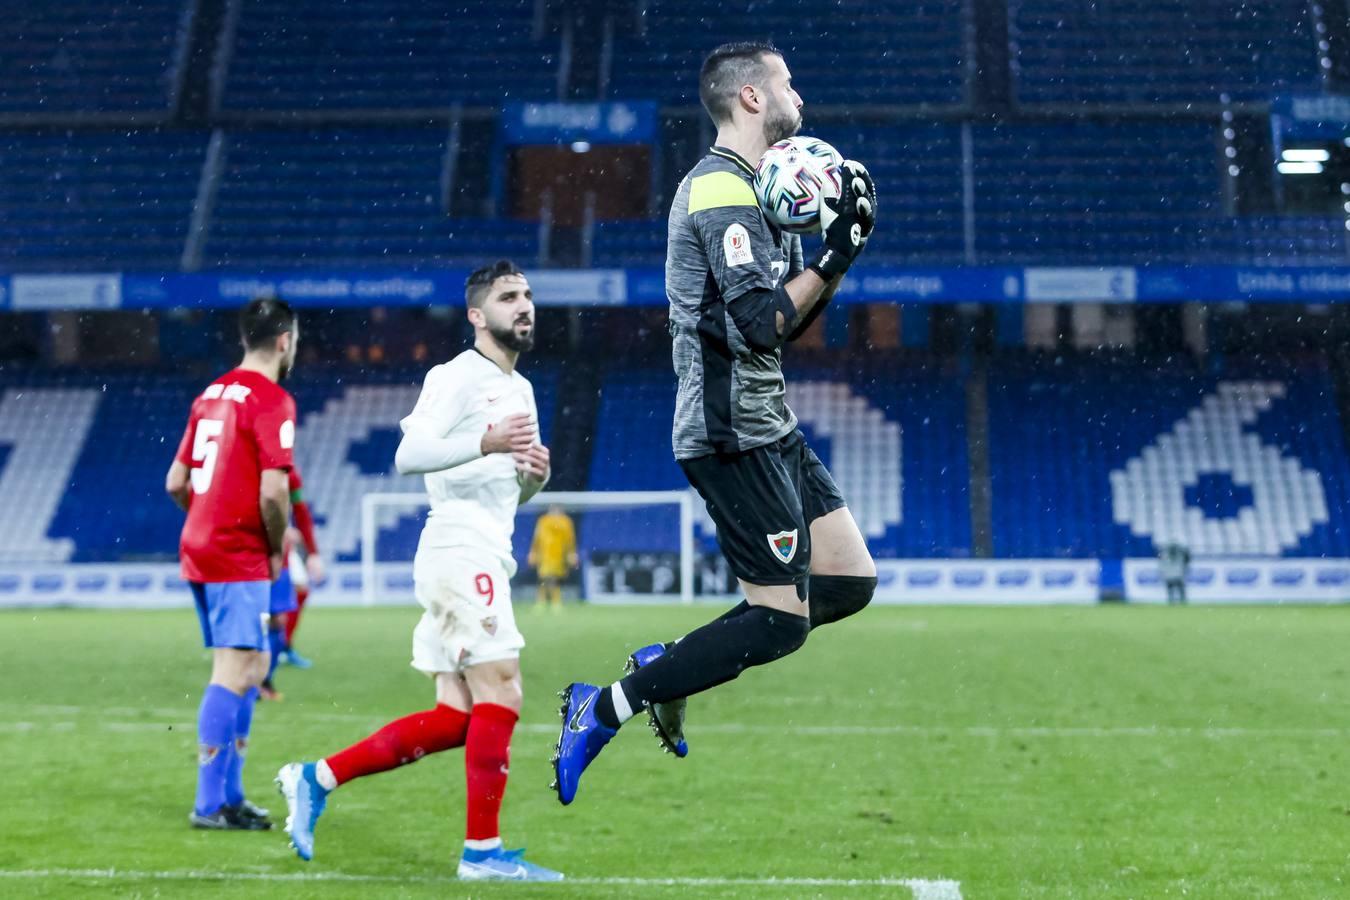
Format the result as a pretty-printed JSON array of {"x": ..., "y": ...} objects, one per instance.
[{"x": 573, "y": 501}]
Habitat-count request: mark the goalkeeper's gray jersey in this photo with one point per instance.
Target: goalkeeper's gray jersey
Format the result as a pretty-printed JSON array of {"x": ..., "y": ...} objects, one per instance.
[{"x": 720, "y": 247}]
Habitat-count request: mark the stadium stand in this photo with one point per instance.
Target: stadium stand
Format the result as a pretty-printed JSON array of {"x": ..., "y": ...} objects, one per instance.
[
  {"x": 1089, "y": 459},
  {"x": 878, "y": 434},
  {"x": 387, "y": 54},
  {"x": 90, "y": 57},
  {"x": 1129, "y": 51},
  {"x": 674, "y": 37},
  {"x": 120, "y": 200},
  {"x": 918, "y": 175},
  {"x": 1077, "y": 192},
  {"x": 86, "y": 453},
  {"x": 1087, "y": 191},
  {"x": 41, "y": 433},
  {"x": 276, "y": 204},
  {"x": 1072, "y": 191}
]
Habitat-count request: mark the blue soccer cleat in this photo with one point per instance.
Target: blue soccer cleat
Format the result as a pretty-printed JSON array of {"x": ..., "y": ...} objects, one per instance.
[
  {"x": 305, "y": 800},
  {"x": 502, "y": 865},
  {"x": 581, "y": 740},
  {"x": 666, "y": 719},
  {"x": 295, "y": 660}
]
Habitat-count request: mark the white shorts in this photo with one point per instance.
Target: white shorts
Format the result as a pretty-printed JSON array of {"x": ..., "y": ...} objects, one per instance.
[{"x": 468, "y": 618}]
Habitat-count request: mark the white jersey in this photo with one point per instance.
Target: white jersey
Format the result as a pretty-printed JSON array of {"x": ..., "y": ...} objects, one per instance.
[{"x": 473, "y": 506}]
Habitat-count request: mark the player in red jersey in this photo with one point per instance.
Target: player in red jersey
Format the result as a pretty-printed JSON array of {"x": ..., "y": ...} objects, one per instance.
[
  {"x": 291, "y": 588},
  {"x": 305, "y": 576},
  {"x": 231, "y": 476}
]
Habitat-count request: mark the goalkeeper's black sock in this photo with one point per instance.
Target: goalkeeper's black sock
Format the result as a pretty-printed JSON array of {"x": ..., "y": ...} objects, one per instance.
[
  {"x": 707, "y": 657},
  {"x": 605, "y": 708}
]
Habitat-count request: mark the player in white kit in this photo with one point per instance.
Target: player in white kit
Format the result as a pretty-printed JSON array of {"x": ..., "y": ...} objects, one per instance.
[{"x": 474, "y": 434}]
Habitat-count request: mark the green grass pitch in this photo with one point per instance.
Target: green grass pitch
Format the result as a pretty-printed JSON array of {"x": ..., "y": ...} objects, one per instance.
[{"x": 1048, "y": 752}]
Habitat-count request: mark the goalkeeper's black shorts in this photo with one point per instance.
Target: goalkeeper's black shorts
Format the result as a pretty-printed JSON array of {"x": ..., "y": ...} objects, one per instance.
[{"x": 763, "y": 502}]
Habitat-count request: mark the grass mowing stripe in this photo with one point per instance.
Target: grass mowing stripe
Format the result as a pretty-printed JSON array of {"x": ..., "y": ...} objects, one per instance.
[
  {"x": 921, "y": 888},
  {"x": 974, "y": 731}
]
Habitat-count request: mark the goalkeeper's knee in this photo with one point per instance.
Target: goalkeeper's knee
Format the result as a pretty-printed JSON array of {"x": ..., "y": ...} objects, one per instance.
[{"x": 835, "y": 597}]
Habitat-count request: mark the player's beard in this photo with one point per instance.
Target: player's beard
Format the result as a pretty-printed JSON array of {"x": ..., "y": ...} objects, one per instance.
[
  {"x": 507, "y": 337},
  {"x": 782, "y": 124}
]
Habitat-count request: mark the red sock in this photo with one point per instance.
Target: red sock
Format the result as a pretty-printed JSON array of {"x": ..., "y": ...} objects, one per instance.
[
  {"x": 293, "y": 617},
  {"x": 400, "y": 742},
  {"x": 487, "y": 757}
]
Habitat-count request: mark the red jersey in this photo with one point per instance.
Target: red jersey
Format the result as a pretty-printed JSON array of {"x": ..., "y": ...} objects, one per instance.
[{"x": 240, "y": 425}]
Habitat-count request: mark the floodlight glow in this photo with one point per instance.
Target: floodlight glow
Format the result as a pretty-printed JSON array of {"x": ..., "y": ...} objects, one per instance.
[{"x": 1306, "y": 155}]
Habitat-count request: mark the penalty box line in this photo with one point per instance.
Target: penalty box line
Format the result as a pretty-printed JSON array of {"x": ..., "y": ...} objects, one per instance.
[{"x": 920, "y": 888}]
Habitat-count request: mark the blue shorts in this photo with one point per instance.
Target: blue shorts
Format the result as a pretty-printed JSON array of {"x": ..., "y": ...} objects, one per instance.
[
  {"x": 283, "y": 594},
  {"x": 233, "y": 613}
]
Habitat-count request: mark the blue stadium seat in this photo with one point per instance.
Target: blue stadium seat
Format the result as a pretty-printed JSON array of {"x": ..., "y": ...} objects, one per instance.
[
  {"x": 1160, "y": 51},
  {"x": 388, "y": 54},
  {"x": 337, "y": 196},
  {"x": 121, "y": 200},
  {"x": 1095, "y": 460},
  {"x": 86, "y": 56},
  {"x": 1084, "y": 192},
  {"x": 926, "y": 66}
]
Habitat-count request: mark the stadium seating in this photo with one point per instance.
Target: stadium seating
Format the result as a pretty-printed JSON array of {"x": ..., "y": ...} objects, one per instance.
[
  {"x": 388, "y": 54},
  {"x": 1088, "y": 459},
  {"x": 917, "y": 169},
  {"x": 1104, "y": 460},
  {"x": 894, "y": 440},
  {"x": 1084, "y": 191},
  {"x": 85, "y": 56},
  {"x": 86, "y": 453},
  {"x": 276, "y": 205},
  {"x": 1160, "y": 51},
  {"x": 115, "y": 200},
  {"x": 927, "y": 66},
  {"x": 1070, "y": 193}
]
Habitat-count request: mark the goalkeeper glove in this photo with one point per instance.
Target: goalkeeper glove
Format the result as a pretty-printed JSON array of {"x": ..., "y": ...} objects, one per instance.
[{"x": 846, "y": 221}]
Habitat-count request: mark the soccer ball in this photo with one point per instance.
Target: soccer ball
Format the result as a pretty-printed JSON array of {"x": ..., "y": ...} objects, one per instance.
[{"x": 792, "y": 177}]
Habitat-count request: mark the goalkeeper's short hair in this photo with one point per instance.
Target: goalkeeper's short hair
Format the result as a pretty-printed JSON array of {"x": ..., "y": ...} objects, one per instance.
[
  {"x": 476, "y": 287},
  {"x": 725, "y": 69}
]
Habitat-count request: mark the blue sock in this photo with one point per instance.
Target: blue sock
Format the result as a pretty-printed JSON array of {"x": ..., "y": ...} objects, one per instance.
[
  {"x": 234, "y": 769},
  {"x": 216, "y": 720},
  {"x": 276, "y": 642}
]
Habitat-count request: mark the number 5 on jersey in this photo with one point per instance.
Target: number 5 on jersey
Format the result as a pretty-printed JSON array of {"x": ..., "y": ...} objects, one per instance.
[{"x": 205, "y": 449}]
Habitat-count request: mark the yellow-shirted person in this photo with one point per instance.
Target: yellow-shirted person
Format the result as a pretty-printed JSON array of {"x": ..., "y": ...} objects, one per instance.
[{"x": 553, "y": 554}]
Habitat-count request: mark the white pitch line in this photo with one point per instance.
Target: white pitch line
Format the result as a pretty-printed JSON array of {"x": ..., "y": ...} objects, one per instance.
[
  {"x": 22, "y": 726},
  {"x": 920, "y": 888}
]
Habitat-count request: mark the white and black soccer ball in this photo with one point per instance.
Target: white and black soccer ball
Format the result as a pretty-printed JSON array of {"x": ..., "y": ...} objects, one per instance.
[{"x": 792, "y": 177}]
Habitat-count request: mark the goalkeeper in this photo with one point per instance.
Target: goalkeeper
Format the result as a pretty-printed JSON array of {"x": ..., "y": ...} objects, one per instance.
[
  {"x": 553, "y": 554},
  {"x": 738, "y": 289}
]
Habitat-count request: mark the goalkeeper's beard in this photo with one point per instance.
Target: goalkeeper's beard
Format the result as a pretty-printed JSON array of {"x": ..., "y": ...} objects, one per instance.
[
  {"x": 782, "y": 125},
  {"x": 517, "y": 343}
]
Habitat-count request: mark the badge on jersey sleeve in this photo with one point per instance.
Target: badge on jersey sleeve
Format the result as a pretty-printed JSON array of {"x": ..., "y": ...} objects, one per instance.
[
  {"x": 736, "y": 246},
  {"x": 784, "y": 545}
]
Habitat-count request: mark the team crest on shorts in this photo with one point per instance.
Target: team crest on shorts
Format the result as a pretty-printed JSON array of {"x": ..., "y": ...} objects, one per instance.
[
  {"x": 490, "y": 625},
  {"x": 784, "y": 545}
]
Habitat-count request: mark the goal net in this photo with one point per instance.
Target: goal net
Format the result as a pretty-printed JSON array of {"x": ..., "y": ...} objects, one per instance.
[{"x": 633, "y": 546}]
